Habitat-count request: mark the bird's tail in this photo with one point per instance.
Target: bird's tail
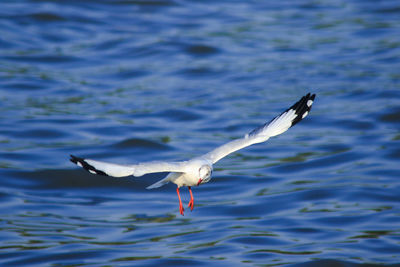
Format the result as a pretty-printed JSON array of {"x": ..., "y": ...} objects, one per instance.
[{"x": 166, "y": 180}]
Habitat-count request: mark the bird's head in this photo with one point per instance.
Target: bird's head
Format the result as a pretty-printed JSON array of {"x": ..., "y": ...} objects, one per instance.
[{"x": 205, "y": 172}]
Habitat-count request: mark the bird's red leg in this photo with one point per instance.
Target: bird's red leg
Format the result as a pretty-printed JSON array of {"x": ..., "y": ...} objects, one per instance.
[
  {"x": 191, "y": 203},
  {"x": 181, "y": 209}
]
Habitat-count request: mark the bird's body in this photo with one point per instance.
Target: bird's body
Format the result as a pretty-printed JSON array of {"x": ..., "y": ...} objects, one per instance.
[
  {"x": 199, "y": 170},
  {"x": 193, "y": 170}
]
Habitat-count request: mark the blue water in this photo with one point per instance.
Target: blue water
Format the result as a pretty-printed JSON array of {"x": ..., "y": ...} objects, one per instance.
[{"x": 129, "y": 81}]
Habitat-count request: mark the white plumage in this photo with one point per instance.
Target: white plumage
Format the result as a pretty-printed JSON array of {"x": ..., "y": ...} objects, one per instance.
[{"x": 198, "y": 170}]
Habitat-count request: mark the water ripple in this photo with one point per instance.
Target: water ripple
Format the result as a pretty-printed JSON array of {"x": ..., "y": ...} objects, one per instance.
[{"x": 129, "y": 81}]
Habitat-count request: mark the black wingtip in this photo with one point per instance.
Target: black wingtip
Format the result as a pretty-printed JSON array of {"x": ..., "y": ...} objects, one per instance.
[
  {"x": 311, "y": 97},
  {"x": 74, "y": 159},
  {"x": 302, "y": 107},
  {"x": 82, "y": 163}
]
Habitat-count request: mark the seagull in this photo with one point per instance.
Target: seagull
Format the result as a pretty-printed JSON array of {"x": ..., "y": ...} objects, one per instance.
[{"x": 198, "y": 170}]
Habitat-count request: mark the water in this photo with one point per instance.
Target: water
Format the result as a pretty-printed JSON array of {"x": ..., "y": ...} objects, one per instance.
[{"x": 130, "y": 81}]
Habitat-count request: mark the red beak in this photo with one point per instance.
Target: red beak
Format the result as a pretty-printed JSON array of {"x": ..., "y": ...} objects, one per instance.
[{"x": 199, "y": 182}]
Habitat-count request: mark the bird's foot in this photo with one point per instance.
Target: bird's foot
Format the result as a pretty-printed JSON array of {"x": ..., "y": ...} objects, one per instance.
[
  {"x": 191, "y": 203},
  {"x": 181, "y": 209}
]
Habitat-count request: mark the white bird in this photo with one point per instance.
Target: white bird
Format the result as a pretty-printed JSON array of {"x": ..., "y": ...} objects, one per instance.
[{"x": 198, "y": 170}]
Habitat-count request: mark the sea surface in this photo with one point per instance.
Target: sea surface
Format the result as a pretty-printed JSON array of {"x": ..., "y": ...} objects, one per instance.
[{"x": 128, "y": 81}]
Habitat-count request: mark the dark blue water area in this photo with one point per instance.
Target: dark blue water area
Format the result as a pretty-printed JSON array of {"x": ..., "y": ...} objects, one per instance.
[{"x": 130, "y": 81}]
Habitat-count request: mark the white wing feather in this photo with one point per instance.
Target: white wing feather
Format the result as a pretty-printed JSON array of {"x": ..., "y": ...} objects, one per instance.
[
  {"x": 117, "y": 170},
  {"x": 277, "y": 126}
]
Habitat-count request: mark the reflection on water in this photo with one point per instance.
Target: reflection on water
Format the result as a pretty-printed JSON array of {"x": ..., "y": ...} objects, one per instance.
[{"x": 132, "y": 81}]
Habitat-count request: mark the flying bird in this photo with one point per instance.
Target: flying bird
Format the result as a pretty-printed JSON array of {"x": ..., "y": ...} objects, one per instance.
[{"x": 197, "y": 171}]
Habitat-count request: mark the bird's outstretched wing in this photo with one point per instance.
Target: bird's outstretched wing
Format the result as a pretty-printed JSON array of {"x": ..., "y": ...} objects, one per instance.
[
  {"x": 278, "y": 125},
  {"x": 117, "y": 170}
]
